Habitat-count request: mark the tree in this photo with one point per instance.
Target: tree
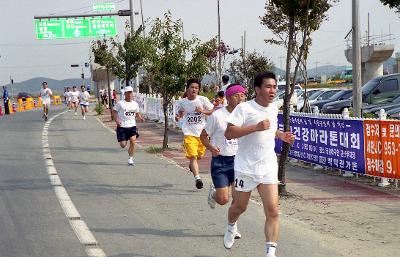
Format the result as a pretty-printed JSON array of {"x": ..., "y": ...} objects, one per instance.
[
  {"x": 173, "y": 60},
  {"x": 245, "y": 69},
  {"x": 213, "y": 59},
  {"x": 292, "y": 22},
  {"x": 123, "y": 59},
  {"x": 392, "y": 4}
]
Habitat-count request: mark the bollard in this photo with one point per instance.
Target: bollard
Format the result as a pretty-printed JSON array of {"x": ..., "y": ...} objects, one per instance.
[
  {"x": 346, "y": 115},
  {"x": 315, "y": 110},
  {"x": 13, "y": 107},
  {"x": 384, "y": 181},
  {"x": 20, "y": 107}
]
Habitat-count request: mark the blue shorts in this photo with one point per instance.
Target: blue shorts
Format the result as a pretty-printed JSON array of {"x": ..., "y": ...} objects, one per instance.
[
  {"x": 124, "y": 134},
  {"x": 222, "y": 171},
  {"x": 84, "y": 105}
]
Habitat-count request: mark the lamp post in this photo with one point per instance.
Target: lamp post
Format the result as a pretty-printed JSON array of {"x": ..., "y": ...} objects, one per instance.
[{"x": 219, "y": 46}]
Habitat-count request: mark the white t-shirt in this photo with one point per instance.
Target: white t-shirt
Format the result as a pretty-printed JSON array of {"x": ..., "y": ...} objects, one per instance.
[
  {"x": 215, "y": 128},
  {"x": 67, "y": 96},
  {"x": 256, "y": 155},
  {"x": 127, "y": 113},
  {"x": 223, "y": 87},
  {"x": 45, "y": 94},
  {"x": 84, "y": 97},
  {"x": 74, "y": 96},
  {"x": 194, "y": 122}
]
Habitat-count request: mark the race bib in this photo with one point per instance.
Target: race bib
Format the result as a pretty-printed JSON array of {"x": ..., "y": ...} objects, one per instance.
[
  {"x": 129, "y": 113},
  {"x": 231, "y": 142},
  {"x": 194, "y": 118}
]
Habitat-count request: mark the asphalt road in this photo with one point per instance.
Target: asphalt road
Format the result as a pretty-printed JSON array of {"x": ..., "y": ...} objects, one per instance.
[{"x": 151, "y": 209}]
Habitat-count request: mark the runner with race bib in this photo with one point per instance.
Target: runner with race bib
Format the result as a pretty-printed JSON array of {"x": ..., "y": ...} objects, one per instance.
[{"x": 193, "y": 110}]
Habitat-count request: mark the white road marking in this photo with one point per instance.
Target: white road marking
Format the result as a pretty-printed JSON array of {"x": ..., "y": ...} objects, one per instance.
[{"x": 79, "y": 226}]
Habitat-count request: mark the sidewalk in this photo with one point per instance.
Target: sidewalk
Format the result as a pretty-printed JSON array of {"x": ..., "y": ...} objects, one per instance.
[{"x": 355, "y": 216}]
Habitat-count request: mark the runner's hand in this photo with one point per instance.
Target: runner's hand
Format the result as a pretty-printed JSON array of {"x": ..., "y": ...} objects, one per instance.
[
  {"x": 119, "y": 123},
  {"x": 263, "y": 125},
  {"x": 215, "y": 151},
  {"x": 288, "y": 137},
  {"x": 199, "y": 109}
]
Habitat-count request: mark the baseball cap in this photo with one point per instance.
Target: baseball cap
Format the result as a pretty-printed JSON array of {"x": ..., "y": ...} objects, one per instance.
[{"x": 128, "y": 89}]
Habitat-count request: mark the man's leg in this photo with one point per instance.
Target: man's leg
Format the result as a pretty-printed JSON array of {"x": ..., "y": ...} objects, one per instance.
[
  {"x": 131, "y": 150},
  {"x": 221, "y": 195},
  {"x": 270, "y": 199},
  {"x": 238, "y": 206}
]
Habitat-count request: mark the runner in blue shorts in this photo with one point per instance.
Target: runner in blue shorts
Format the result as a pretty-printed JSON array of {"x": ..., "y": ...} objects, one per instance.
[{"x": 125, "y": 113}]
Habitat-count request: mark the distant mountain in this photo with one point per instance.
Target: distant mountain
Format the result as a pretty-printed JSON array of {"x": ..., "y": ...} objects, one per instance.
[{"x": 34, "y": 85}]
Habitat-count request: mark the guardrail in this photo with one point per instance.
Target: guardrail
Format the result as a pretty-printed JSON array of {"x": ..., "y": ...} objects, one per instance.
[{"x": 368, "y": 147}]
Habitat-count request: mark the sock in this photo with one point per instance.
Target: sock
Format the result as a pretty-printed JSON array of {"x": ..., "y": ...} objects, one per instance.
[
  {"x": 270, "y": 248},
  {"x": 130, "y": 157},
  {"x": 196, "y": 177}
]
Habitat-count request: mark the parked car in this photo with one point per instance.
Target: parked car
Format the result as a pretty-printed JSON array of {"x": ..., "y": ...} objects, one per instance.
[
  {"x": 310, "y": 92},
  {"x": 340, "y": 95},
  {"x": 387, "y": 105},
  {"x": 282, "y": 84},
  {"x": 324, "y": 94},
  {"x": 278, "y": 100},
  {"x": 378, "y": 90},
  {"x": 23, "y": 96}
]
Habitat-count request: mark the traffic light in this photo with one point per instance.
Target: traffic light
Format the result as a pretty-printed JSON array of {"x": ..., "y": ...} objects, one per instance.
[{"x": 86, "y": 64}]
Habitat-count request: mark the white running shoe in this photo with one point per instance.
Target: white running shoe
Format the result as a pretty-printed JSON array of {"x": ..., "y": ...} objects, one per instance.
[
  {"x": 75, "y": 113},
  {"x": 130, "y": 161},
  {"x": 210, "y": 199},
  {"x": 229, "y": 237},
  {"x": 84, "y": 117}
]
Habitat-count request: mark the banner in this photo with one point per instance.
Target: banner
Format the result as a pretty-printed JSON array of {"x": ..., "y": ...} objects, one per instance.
[
  {"x": 382, "y": 143},
  {"x": 335, "y": 143}
]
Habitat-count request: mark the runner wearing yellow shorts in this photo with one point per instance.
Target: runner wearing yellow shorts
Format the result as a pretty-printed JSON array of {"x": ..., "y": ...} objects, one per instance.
[{"x": 193, "y": 109}]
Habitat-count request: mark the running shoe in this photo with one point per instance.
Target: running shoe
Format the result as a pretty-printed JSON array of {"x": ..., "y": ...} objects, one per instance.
[
  {"x": 130, "y": 161},
  {"x": 45, "y": 118},
  {"x": 84, "y": 117},
  {"x": 75, "y": 113},
  {"x": 199, "y": 183},
  {"x": 210, "y": 199},
  {"x": 229, "y": 237}
]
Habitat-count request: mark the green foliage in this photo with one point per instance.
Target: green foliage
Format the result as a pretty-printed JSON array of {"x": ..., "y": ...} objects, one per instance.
[
  {"x": 392, "y": 4},
  {"x": 245, "y": 69},
  {"x": 122, "y": 58},
  {"x": 99, "y": 109}
]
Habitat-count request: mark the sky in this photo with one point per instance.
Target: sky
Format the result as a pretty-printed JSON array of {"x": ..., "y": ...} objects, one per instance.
[{"x": 24, "y": 57}]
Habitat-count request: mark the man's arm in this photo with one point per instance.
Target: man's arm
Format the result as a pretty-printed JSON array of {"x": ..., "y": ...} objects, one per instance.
[
  {"x": 233, "y": 131},
  {"x": 179, "y": 116},
  {"x": 206, "y": 142},
  {"x": 116, "y": 118}
]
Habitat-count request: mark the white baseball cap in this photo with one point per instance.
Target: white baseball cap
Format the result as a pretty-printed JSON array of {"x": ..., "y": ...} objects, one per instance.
[{"x": 128, "y": 89}]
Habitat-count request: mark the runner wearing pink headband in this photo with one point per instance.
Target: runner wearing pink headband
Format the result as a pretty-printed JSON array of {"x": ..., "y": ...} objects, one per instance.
[{"x": 234, "y": 90}]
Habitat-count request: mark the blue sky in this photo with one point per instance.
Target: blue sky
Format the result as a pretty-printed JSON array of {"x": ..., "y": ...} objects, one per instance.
[{"x": 24, "y": 57}]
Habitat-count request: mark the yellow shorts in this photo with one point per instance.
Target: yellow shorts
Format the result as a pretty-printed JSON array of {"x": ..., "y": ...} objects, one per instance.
[{"x": 193, "y": 147}]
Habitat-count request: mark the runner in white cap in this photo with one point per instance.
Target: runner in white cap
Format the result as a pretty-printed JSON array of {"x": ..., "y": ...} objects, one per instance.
[
  {"x": 84, "y": 97},
  {"x": 125, "y": 113}
]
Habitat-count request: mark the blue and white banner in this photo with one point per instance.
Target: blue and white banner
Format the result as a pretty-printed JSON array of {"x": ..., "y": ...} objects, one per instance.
[{"x": 335, "y": 143}]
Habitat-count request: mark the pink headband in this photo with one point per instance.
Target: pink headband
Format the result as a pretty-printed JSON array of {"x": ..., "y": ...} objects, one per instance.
[{"x": 234, "y": 90}]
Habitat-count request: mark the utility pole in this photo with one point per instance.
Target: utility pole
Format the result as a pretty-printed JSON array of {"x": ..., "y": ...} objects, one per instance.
[
  {"x": 357, "y": 100},
  {"x": 131, "y": 7},
  {"x": 316, "y": 69},
  {"x": 219, "y": 47},
  {"x": 141, "y": 14}
]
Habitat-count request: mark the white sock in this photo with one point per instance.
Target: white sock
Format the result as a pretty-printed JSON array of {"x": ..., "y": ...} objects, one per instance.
[
  {"x": 130, "y": 157},
  {"x": 196, "y": 177},
  {"x": 270, "y": 248}
]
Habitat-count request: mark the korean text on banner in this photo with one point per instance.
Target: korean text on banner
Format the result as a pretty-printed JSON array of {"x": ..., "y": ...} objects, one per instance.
[
  {"x": 335, "y": 143},
  {"x": 382, "y": 144}
]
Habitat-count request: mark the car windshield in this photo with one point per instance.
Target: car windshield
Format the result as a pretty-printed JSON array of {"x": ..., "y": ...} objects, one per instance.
[
  {"x": 367, "y": 88},
  {"x": 339, "y": 94},
  {"x": 315, "y": 95}
]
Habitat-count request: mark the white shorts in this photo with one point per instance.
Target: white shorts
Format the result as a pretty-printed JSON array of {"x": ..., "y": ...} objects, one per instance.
[
  {"x": 46, "y": 102},
  {"x": 247, "y": 182}
]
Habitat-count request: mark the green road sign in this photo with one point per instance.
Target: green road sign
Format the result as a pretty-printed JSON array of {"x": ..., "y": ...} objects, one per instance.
[
  {"x": 49, "y": 29},
  {"x": 103, "y": 7},
  {"x": 76, "y": 28},
  {"x": 105, "y": 26}
]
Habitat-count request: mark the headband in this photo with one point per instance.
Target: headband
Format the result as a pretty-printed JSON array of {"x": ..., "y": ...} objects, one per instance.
[{"x": 234, "y": 90}]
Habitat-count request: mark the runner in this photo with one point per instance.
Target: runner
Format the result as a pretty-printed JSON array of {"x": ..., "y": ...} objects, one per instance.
[
  {"x": 255, "y": 124},
  {"x": 193, "y": 109},
  {"x": 125, "y": 113},
  {"x": 67, "y": 96},
  {"x": 223, "y": 150},
  {"x": 84, "y": 101},
  {"x": 74, "y": 99},
  {"x": 45, "y": 94}
]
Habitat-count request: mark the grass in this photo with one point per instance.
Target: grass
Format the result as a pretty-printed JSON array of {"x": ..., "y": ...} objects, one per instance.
[
  {"x": 154, "y": 149},
  {"x": 99, "y": 109}
]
